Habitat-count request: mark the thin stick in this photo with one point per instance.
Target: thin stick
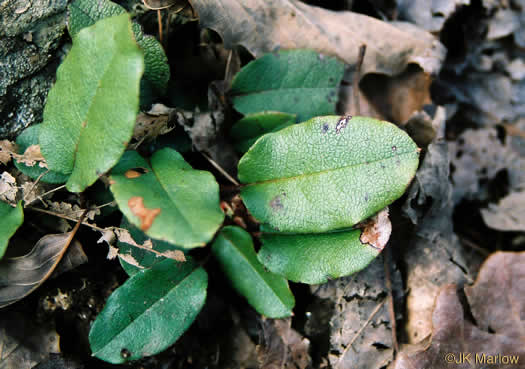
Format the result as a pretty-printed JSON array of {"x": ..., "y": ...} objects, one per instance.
[
  {"x": 159, "y": 21},
  {"x": 219, "y": 168},
  {"x": 391, "y": 312},
  {"x": 227, "y": 69},
  {"x": 35, "y": 183},
  {"x": 47, "y": 193},
  {"x": 65, "y": 217},
  {"x": 374, "y": 312},
  {"x": 357, "y": 77},
  {"x": 473, "y": 246},
  {"x": 153, "y": 8}
]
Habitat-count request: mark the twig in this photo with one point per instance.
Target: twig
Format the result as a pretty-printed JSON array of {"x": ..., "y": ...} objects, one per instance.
[
  {"x": 473, "y": 246},
  {"x": 46, "y": 193},
  {"x": 35, "y": 183},
  {"x": 219, "y": 168},
  {"x": 391, "y": 311},
  {"x": 58, "y": 215},
  {"x": 357, "y": 76},
  {"x": 153, "y": 8},
  {"x": 159, "y": 21},
  {"x": 358, "y": 333}
]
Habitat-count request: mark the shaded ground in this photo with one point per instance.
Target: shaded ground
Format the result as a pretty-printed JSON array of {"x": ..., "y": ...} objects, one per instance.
[{"x": 465, "y": 204}]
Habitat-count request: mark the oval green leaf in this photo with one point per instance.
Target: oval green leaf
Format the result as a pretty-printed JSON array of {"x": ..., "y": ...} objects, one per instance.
[
  {"x": 30, "y": 137},
  {"x": 168, "y": 200},
  {"x": 149, "y": 312},
  {"x": 91, "y": 110},
  {"x": 327, "y": 173},
  {"x": 85, "y": 13},
  {"x": 11, "y": 219},
  {"x": 268, "y": 293},
  {"x": 316, "y": 258},
  {"x": 300, "y": 82},
  {"x": 247, "y": 130}
]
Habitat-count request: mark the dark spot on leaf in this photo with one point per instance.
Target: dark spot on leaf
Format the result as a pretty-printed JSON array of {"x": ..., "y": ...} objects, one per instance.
[
  {"x": 342, "y": 123},
  {"x": 296, "y": 99},
  {"x": 331, "y": 80},
  {"x": 125, "y": 353},
  {"x": 383, "y": 166},
  {"x": 84, "y": 124},
  {"x": 325, "y": 128},
  {"x": 366, "y": 197},
  {"x": 394, "y": 148},
  {"x": 276, "y": 203}
]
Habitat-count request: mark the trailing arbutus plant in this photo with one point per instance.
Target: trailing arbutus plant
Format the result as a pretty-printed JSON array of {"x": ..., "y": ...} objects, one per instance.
[{"x": 316, "y": 184}]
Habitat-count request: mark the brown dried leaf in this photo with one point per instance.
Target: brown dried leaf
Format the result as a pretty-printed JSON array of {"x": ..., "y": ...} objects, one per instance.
[
  {"x": 281, "y": 346},
  {"x": 32, "y": 156},
  {"x": 497, "y": 298},
  {"x": 157, "y": 121},
  {"x": 457, "y": 341},
  {"x": 19, "y": 276},
  {"x": 263, "y": 26},
  {"x": 6, "y": 148},
  {"x": 146, "y": 216},
  {"x": 8, "y": 188},
  {"x": 24, "y": 344},
  {"x": 177, "y": 255},
  {"x": 508, "y": 214},
  {"x": 377, "y": 230},
  {"x": 73, "y": 211}
]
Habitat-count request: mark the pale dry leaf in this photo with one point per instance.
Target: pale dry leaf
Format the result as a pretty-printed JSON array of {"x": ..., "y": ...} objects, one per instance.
[
  {"x": 6, "y": 148},
  {"x": 73, "y": 211},
  {"x": 146, "y": 216},
  {"x": 508, "y": 214},
  {"x": 31, "y": 191},
  {"x": 8, "y": 188},
  {"x": 32, "y": 156},
  {"x": 377, "y": 230},
  {"x": 177, "y": 255},
  {"x": 128, "y": 258},
  {"x": 263, "y": 26},
  {"x": 112, "y": 252}
]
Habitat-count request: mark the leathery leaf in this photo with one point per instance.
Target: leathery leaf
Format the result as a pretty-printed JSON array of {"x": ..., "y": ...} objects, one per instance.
[
  {"x": 149, "y": 312},
  {"x": 326, "y": 174},
  {"x": 91, "y": 109},
  {"x": 168, "y": 200},
  {"x": 268, "y": 293},
  {"x": 11, "y": 219}
]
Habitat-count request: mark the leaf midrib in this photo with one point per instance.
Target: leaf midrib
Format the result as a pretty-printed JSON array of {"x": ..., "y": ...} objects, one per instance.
[
  {"x": 256, "y": 272},
  {"x": 120, "y": 332},
  {"x": 328, "y": 170}
]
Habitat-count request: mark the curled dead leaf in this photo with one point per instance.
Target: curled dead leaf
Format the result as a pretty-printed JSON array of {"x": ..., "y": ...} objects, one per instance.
[
  {"x": 377, "y": 230},
  {"x": 147, "y": 216}
]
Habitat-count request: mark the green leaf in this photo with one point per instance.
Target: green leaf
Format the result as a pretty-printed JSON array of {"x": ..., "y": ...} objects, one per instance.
[
  {"x": 298, "y": 82},
  {"x": 85, "y": 13},
  {"x": 326, "y": 174},
  {"x": 149, "y": 312},
  {"x": 247, "y": 130},
  {"x": 316, "y": 258},
  {"x": 91, "y": 110},
  {"x": 30, "y": 137},
  {"x": 11, "y": 219},
  {"x": 268, "y": 293},
  {"x": 180, "y": 205},
  {"x": 144, "y": 258}
]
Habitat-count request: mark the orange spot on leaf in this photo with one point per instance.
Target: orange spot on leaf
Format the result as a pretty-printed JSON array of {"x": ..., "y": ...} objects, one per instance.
[
  {"x": 146, "y": 216},
  {"x": 132, "y": 174}
]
